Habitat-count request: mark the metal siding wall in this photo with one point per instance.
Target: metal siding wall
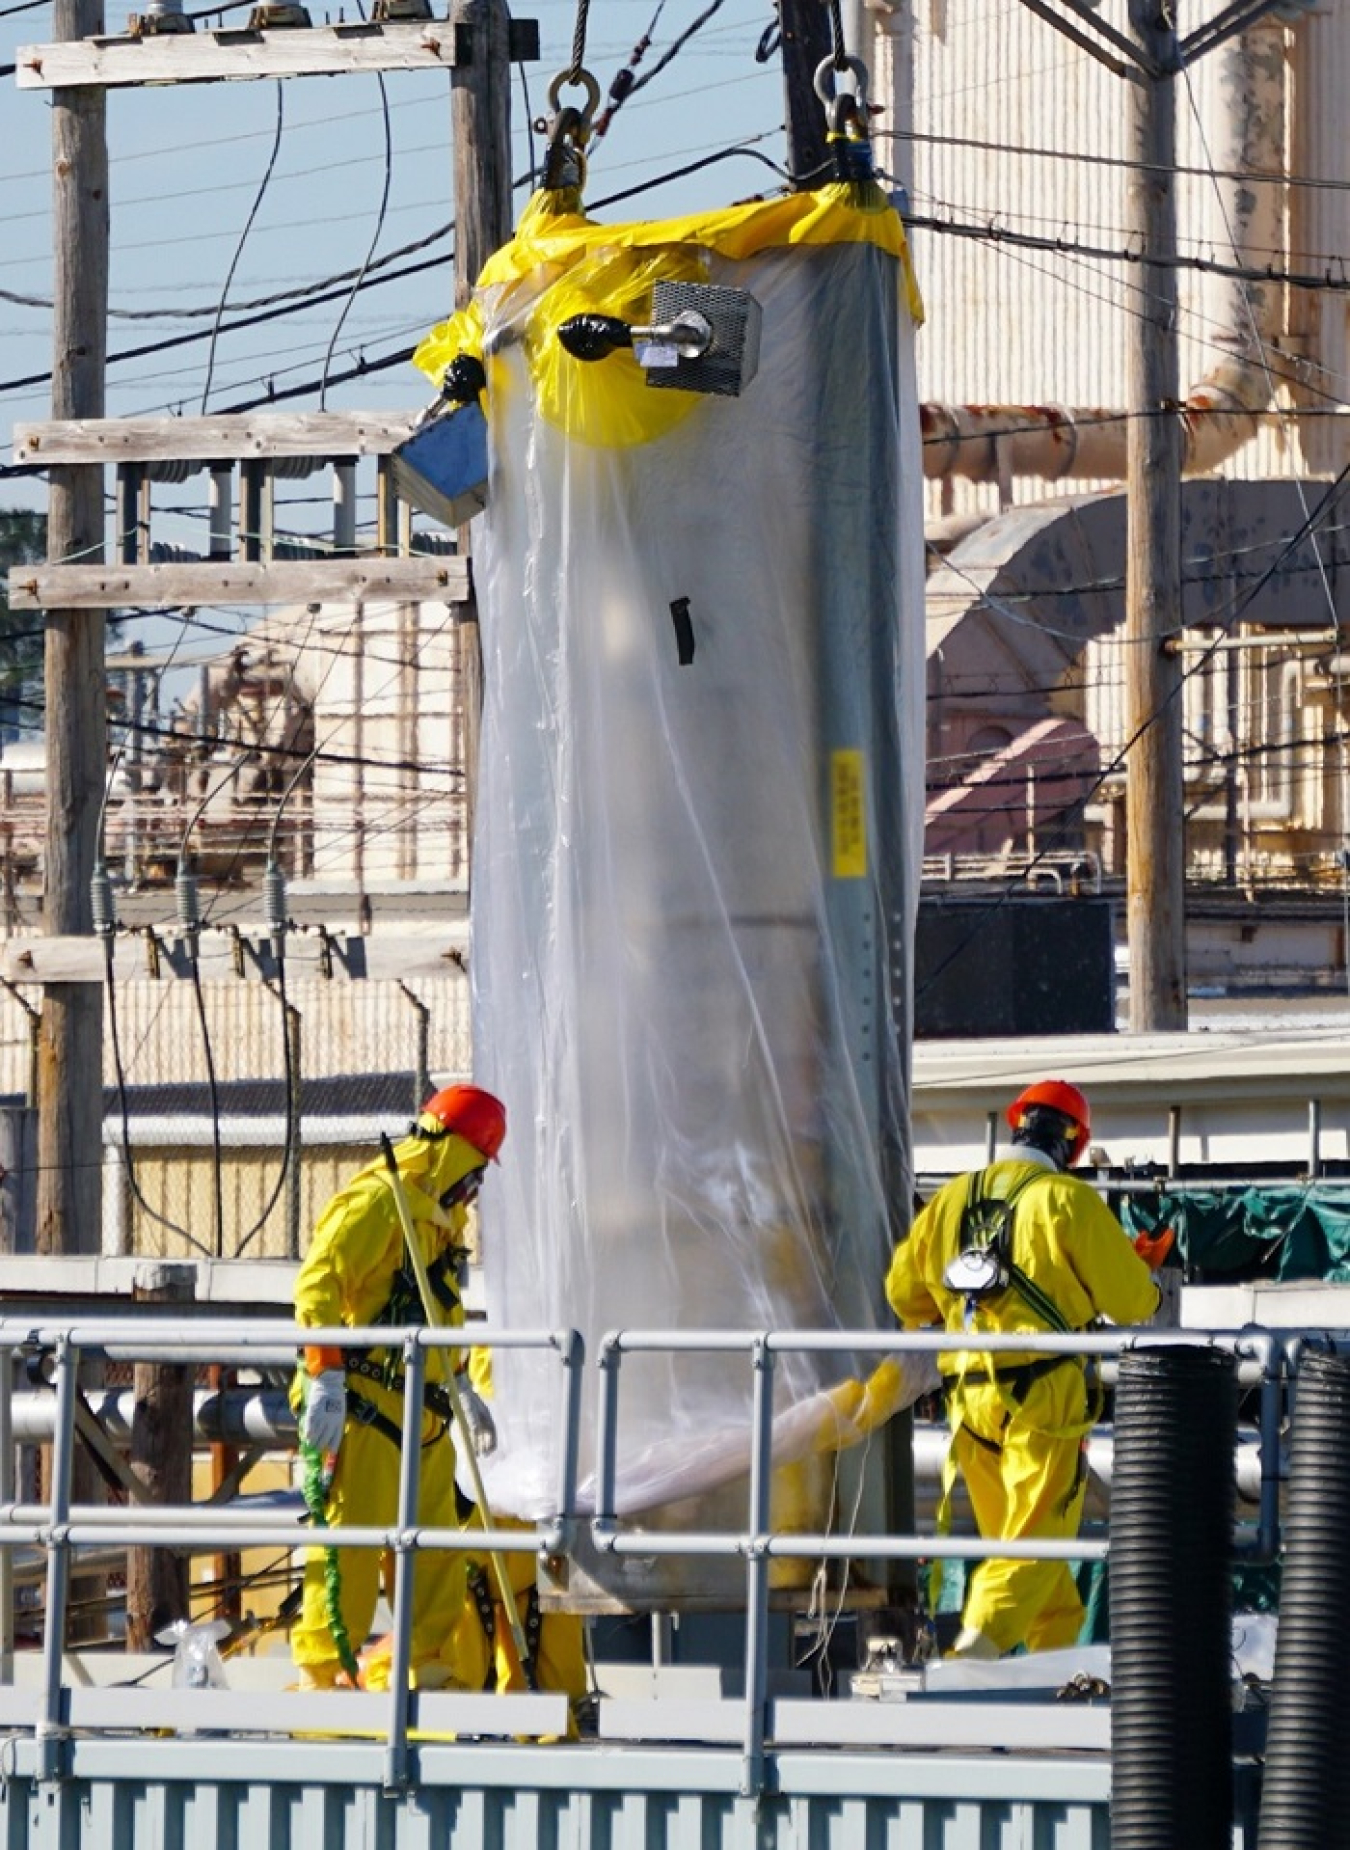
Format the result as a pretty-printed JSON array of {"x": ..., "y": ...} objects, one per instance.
[
  {"x": 130, "y": 1814},
  {"x": 1005, "y": 324},
  {"x": 355, "y": 1031},
  {"x": 1009, "y": 325},
  {"x": 395, "y": 716},
  {"x": 348, "y": 1027},
  {"x": 1320, "y": 82}
]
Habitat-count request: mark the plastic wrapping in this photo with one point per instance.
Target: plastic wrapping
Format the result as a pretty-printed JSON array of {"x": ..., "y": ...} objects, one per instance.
[{"x": 698, "y": 825}]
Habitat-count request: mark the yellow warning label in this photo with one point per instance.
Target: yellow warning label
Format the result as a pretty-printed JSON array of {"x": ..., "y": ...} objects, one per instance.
[{"x": 848, "y": 816}]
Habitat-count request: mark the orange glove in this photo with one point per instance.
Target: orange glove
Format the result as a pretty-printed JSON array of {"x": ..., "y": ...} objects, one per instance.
[{"x": 1153, "y": 1248}]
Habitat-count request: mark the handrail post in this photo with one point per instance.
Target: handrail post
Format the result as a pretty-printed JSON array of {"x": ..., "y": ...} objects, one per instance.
[
  {"x": 1273, "y": 1372},
  {"x": 607, "y": 1437},
  {"x": 50, "y": 1730},
  {"x": 405, "y": 1558},
  {"x": 757, "y": 1570},
  {"x": 6, "y": 1498},
  {"x": 572, "y": 1351}
]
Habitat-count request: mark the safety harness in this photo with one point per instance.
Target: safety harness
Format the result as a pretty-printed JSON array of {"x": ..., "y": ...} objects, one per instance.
[
  {"x": 480, "y": 1592},
  {"x": 402, "y": 1309},
  {"x": 984, "y": 1267}
]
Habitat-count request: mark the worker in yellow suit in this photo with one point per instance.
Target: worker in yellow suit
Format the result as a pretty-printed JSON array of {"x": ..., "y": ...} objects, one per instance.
[
  {"x": 1022, "y": 1246},
  {"x": 482, "y": 1647},
  {"x": 350, "y": 1404}
]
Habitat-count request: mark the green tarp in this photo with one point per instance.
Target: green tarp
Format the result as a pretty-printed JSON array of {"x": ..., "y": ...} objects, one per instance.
[{"x": 1280, "y": 1232}]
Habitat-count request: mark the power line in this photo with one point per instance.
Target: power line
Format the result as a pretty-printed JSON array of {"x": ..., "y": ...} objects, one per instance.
[
  {"x": 995, "y": 234},
  {"x": 1118, "y": 162},
  {"x": 258, "y": 198},
  {"x": 171, "y": 342}
]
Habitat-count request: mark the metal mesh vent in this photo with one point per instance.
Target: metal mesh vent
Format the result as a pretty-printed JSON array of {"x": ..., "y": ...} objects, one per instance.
[{"x": 733, "y": 358}]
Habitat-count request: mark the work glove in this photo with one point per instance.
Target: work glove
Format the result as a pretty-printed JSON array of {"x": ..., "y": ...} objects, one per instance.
[
  {"x": 482, "y": 1427},
  {"x": 1153, "y": 1248},
  {"x": 323, "y": 1411}
]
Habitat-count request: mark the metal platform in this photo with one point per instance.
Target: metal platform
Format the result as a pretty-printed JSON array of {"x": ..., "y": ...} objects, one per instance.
[{"x": 104, "y": 1754}]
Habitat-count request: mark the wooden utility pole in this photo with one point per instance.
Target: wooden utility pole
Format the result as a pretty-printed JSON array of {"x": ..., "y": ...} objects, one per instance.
[
  {"x": 805, "y": 26},
  {"x": 1155, "y": 839},
  {"x": 480, "y": 120},
  {"x": 70, "y": 1050},
  {"x": 161, "y": 1457}
]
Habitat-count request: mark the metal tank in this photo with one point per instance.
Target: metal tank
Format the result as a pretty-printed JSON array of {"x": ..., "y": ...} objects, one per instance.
[{"x": 697, "y": 844}]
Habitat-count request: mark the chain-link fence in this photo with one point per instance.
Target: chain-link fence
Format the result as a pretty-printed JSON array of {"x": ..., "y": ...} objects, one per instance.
[{"x": 231, "y": 1113}]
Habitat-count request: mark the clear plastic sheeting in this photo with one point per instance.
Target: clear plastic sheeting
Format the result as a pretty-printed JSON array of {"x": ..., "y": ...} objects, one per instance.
[{"x": 698, "y": 818}]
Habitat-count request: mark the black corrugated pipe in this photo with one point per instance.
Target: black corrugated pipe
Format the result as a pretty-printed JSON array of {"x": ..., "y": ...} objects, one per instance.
[
  {"x": 1305, "y": 1795},
  {"x": 1172, "y": 1507}
]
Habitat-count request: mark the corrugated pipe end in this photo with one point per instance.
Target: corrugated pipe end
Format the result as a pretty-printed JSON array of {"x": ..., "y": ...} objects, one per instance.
[
  {"x": 1305, "y": 1796},
  {"x": 1172, "y": 1508}
]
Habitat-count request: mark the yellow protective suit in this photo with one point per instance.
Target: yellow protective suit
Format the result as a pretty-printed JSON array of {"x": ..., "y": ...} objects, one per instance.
[
  {"x": 1020, "y": 1423},
  {"x": 348, "y": 1276},
  {"x": 481, "y": 1648}
]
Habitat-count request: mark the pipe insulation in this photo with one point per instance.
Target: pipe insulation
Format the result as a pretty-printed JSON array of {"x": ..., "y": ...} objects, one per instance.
[
  {"x": 1172, "y": 1509},
  {"x": 1305, "y": 1797}
]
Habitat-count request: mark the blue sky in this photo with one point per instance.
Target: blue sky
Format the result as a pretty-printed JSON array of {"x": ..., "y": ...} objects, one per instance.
[
  {"x": 187, "y": 171},
  {"x": 187, "y": 164}
]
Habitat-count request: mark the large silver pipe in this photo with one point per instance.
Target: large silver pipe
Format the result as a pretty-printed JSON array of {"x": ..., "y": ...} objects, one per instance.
[
  {"x": 237, "y": 1416},
  {"x": 930, "y": 1451}
]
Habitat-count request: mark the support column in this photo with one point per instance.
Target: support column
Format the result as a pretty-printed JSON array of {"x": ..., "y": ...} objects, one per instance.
[{"x": 1155, "y": 830}]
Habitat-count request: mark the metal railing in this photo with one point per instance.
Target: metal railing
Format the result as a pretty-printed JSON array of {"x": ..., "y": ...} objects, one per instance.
[
  {"x": 64, "y": 1529},
  {"x": 1260, "y": 1358}
]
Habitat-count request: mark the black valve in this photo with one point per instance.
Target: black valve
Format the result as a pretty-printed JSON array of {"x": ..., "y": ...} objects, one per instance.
[
  {"x": 591, "y": 337},
  {"x": 464, "y": 380}
]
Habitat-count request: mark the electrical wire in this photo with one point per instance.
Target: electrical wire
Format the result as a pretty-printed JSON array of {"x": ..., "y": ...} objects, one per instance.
[
  {"x": 529, "y": 123},
  {"x": 1119, "y": 163},
  {"x": 623, "y": 83},
  {"x": 297, "y": 295},
  {"x": 675, "y": 47},
  {"x": 259, "y": 196},
  {"x": 124, "y": 1108},
  {"x": 736, "y": 151},
  {"x": 375, "y": 235},
  {"x": 290, "y": 1151}
]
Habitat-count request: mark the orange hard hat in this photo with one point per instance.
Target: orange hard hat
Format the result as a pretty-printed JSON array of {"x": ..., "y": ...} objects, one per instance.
[
  {"x": 1060, "y": 1096},
  {"x": 471, "y": 1113}
]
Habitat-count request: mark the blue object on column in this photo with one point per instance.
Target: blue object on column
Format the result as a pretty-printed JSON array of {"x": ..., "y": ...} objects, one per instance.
[{"x": 443, "y": 467}]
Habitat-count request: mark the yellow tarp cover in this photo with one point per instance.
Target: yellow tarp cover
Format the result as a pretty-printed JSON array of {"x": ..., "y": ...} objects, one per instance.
[{"x": 560, "y": 263}]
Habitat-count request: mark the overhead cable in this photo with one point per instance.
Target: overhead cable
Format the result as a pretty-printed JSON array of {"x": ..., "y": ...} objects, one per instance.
[
  {"x": 374, "y": 236},
  {"x": 992, "y": 232},
  {"x": 239, "y": 247}
]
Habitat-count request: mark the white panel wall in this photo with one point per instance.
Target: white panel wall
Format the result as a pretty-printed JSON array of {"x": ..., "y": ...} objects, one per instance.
[{"x": 1013, "y": 325}]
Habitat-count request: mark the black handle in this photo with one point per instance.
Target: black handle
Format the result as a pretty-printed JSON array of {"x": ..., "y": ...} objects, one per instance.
[{"x": 591, "y": 337}]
